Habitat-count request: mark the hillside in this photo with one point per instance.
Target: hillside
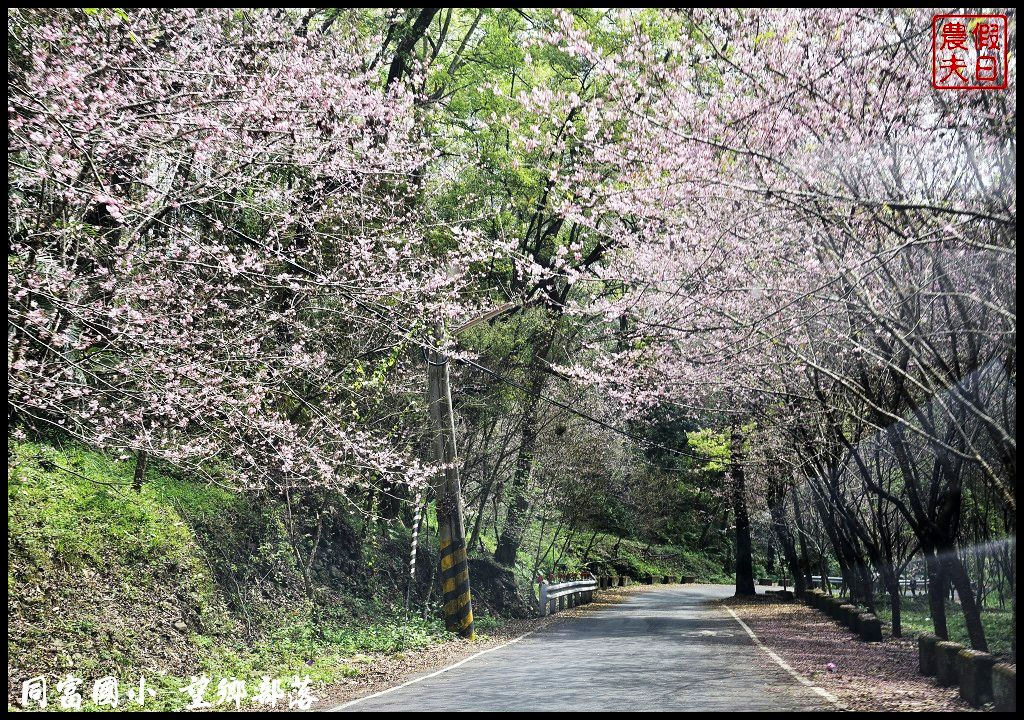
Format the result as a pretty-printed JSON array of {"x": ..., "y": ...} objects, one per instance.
[{"x": 181, "y": 579}]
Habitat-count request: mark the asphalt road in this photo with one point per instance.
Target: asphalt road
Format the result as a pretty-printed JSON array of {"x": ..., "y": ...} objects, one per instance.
[{"x": 663, "y": 649}]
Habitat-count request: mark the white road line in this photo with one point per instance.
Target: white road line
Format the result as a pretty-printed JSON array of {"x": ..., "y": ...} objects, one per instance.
[
  {"x": 784, "y": 665},
  {"x": 433, "y": 674}
]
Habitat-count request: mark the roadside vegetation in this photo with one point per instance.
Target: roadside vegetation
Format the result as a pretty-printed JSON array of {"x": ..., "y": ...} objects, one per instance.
[
  {"x": 177, "y": 580},
  {"x": 998, "y": 622},
  {"x": 185, "y": 578}
]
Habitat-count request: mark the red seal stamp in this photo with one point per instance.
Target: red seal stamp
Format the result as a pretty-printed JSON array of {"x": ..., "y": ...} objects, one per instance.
[{"x": 969, "y": 52}]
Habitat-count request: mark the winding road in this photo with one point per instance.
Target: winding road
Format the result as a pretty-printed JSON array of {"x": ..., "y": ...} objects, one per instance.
[{"x": 662, "y": 649}]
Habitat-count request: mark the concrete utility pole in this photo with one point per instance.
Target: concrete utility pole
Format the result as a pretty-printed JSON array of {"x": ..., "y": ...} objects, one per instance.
[{"x": 458, "y": 608}]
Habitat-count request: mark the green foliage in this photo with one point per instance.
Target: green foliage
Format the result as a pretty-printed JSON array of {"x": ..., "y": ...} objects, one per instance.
[
  {"x": 97, "y": 574},
  {"x": 713, "y": 445},
  {"x": 76, "y": 508},
  {"x": 326, "y": 651},
  {"x": 610, "y": 554},
  {"x": 915, "y": 618}
]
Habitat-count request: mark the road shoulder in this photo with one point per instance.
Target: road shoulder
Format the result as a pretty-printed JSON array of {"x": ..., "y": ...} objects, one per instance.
[{"x": 861, "y": 676}]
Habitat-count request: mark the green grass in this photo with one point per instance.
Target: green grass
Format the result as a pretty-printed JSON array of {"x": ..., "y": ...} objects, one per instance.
[
  {"x": 71, "y": 509},
  {"x": 72, "y": 512},
  {"x": 78, "y": 507},
  {"x": 323, "y": 654},
  {"x": 915, "y": 618}
]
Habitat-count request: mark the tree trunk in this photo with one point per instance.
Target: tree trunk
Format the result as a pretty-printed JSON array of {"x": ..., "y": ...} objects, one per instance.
[
  {"x": 590, "y": 546},
  {"x": 367, "y": 514},
  {"x": 957, "y": 574},
  {"x": 408, "y": 35},
  {"x": 936, "y": 593},
  {"x": 141, "y": 459},
  {"x": 785, "y": 538},
  {"x": 744, "y": 546},
  {"x": 801, "y": 537},
  {"x": 826, "y": 585},
  {"x": 515, "y": 521},
  {"x": 895, "y": 603},
  {"x": 478, "y": 521}
]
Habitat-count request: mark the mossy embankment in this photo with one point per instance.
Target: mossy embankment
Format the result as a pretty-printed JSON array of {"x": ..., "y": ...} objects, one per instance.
[{"x": 184, "y": 578}]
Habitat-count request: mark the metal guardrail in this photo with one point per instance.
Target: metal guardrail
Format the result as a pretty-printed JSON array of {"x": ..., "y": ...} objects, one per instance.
[
  {"x": 902, "y": 582},
  {"x": 833, "y": 580},
  {"x": 921, "y": 582},
  {"x": 558, "y": 596},
  {"x": 552, "y": 597}
]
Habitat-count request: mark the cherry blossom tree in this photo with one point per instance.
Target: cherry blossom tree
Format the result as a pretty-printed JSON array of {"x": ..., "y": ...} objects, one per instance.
[
  {"x": 219, "y": 245},
  {"x": 233, "y": 232},
  {"x": 816, "y": 225}
]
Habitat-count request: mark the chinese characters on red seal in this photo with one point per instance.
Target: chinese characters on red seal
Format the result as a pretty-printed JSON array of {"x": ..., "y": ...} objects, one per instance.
[{"x": 969, "y": 52}]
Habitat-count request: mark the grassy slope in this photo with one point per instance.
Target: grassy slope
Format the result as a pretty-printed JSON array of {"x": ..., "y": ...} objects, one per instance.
[
  {"x": 608, "y": 554},
  {"x": 103, "y": 580},
  {"x": 916, "y": 619}
]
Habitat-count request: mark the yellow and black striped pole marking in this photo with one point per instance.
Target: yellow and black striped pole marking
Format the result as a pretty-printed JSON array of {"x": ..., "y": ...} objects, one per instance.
[{"x": 458, "y": 605}]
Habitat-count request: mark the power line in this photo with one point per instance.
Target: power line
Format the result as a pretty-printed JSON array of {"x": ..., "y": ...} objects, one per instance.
[{"x": 426, "y": 347}]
